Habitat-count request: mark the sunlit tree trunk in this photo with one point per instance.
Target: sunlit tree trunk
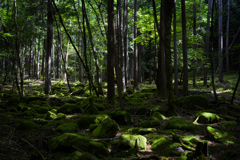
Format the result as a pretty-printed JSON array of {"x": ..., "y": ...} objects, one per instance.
[
  {"x": 150, "y": 59},
  {"x": 227, "y": 37},
  {"x": 38, "y": 57},
  {"x": 220, "y": 42},
  {"x": 135, "y": 46},
  {"x": 125, "y": 31},
  {"x": 194, "y": 46}
]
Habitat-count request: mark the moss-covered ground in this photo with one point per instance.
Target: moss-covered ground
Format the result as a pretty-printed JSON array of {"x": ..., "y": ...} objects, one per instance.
[{"x": 38, "y": 127}]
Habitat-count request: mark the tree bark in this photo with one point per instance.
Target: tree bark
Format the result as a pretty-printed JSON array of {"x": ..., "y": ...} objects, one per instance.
[
  {"x": 150, "y": 60},
  {"x": 175, "y": 51},
  {"x": 220, "y": 42},
  {"x": 227, "y": 37},
  {"x": 135, "y": 46},
  {"x": 125, "y": 31},
  {"x": 194, "y": 45}
]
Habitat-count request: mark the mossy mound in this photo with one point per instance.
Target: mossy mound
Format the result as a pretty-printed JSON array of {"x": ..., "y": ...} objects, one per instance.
[
  {"x": 14, "y": 101},
  {"x": 142, "y": 131},
  {"x": 39, "y": 103},
  {"x": 28, "y": 113},
  {"x": 128, "y": 154},
  {"x": 229, "y": 124},
  {"x": 107, "y": 129},
  {"x": 149, "y": 124},
  {"x": 142, "y": 110},
  {"x": 133, "y": 102},
  {"x": 122, "y": 117},
  {"x": 50, "y": 115},
  {"x": 54, "y": 101},
  {"x": 66, "y": 141},
  {"x": 81, "y": 155},
  {"x": 69, "y": 109},
  {"x": 67, "y": 128},
  {"x": 91, "y": 110},
  {"x": 128, "y": 141},
  {"x": 42, "y": 110},
  {"x": 98, "y": 149},
  {"x": 206, "y": 117},
  {"x": 220, "y": 135},
  {"x": 92, "y": 127},
  {"x": 61, "y": 116},
  {"x": 85, "y": 121},
  {"x": 27, "y": 125},
  {"x": 180, "y": 123},
  {"x": 99, "y": 106},
  {"x": 35, "y": 98},
  {"x": 193, "y": 102},
  {"x": 158, "y": 116},
  {"x": 22, "y": 107}
]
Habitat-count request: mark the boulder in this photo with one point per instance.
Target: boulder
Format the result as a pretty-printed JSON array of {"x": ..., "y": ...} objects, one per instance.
[
  {"x": 61, "y": 116},
  {"x": 193, "y": 102},
  {"x": 206, "y": 117},
  {"x": 69, "y": 109},
  {"x": 122, "y": 117},
  {"x": 67, "y": 128},
  {"x": 85, "y": 121},
  {"x": 98, "y": 149},
  {"x": 180, "y": 123},
  {"x": 107, "y": 129},
  {"x": 128, "y": 141},
  {"x": 81, "y": 155},
  {"x": 50, "y": 115},
  {"x": 66, "y": 141},
  {"x": 27, "y": 125},
  {"x": 158, "y": 116}
]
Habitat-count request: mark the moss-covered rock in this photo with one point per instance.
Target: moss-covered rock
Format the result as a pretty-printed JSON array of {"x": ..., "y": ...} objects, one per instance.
[
  {"x": 133, "y": 102},
  {"x": 91, "y": 110},
  {"x": 99, "y": 106},
  {"x": 142, "y": 131},
  {"x": 61, "y": 116},
  {"x": 66, "y": 141},
  {"x": 27, "y": 125},
  {"x": 14, "y": 101},
  {"x": 158, "y": 116},
  {"x": 98, "y": 149},
  {"x": 50, "y": 115},
  {"x": 142, "y": 110},
  {"x": 220, "y": 135},
  {"x": 54, "y": 101},
  {"x": 28, "y": 113},
  {"x": 149, "y": 124},
  {"x": 22, "y": 107},
  {"x": 81, "y": 155},
  {"x": 122, "y": 117},
  {"x": 206, "y": 117},
  {"x": 92, "y": 127},
  {"x": 229, "y": 124},
  {"x": 107, "y": 129},
  {"x": 67, "y": 128},
  {"x": 39, "y": 103},
  {"x": 42, "y": 110},
  {"x": 69, "y": 109},
  {"x": 35, "y": 98},
  {"x": 193, "y": 102},
  {"x": 180, "y": 123},
  {"x": 128, "y": 141},
  {"x": 54, "y": 111},
  {"x": 85, "y": 121}
]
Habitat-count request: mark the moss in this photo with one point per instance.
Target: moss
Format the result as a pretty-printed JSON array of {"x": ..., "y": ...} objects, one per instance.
[
  {"x": 27, "y": 125},
  {"x": 220, "y": 135},
  {"x": 85, "y": 121},
  {"x": 92, "y": 127},
  {"x": 193, "y": 102},
  {"x": 131, "y": 153},
  {"x": 142, "y": 110},
  {"x": 98, "y": 149},
  {"x": 180, "y": 123},
  {"x": 54, "y": 111},
  {"x": 42, "y": 110},
  {"x": 69, "y": 109},
  {"x": 149, "y": 124},
  {"x": 28, "y": 113},
  {"x": 99, "y": 106},
  {"x": 39, "y": 103},
  {"x": 158, "y": 116},
  {"x": 50, "y": 115},
  {"x": 92, "y": 110},
  {"x": 133, "y": 102},
  {"x": 229, "y": 124},
  {"x": 67, "y": 127},
  {"x": 107, "y": 105},
  {"x": 66, "y": 141},
  {"x": 128, "y": 141},
  {"x": 14, "y": 100},
  {"x": 169, "y": 131},
  {"x": 206, "y": 117},
  {"x": 107, "y": 129},
  {"x": 61, "y": 116},
  {"x": 22, "y": 107},
  {"x": 122, "y": 117},
  {"x": 81, "y": 155},
  {"x": 229, "y": 154},
  {"x": 142, "y": 131},
  {"x": 40, "y": 121}
]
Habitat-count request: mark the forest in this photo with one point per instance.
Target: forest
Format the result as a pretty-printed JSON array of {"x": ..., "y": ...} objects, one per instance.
[{"x": 119, "y": 79}]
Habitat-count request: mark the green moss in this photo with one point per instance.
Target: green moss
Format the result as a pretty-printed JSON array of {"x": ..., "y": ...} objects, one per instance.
[
  {"x": 229, "y": 154},
  {"x": 180, "y": 123},
  {"x": 69, "y": 109},
  {"x": 61, "y": 116},
  {"x": 54, "y": 111},
  {"x": 229, "y": 124},
  {"x": 193, "y": 102},
  {"x": 99, "y": 106},
  {"x": 27, "y": 125},
  {"x": 107, "y": 105},
  {"x": 133, "y": 102},
  {"x": 85, "y": 121},
  {"x": 28, "y": 113},
  {"x": 67, "y": 128},
  {"x": 92, "y": 127},
  {"x": 206, "y": 117},
  {"x": 142, "y": 131},
  {"x": 42, "y": 110},
  {"x": 142, "y": 110},
  {"x": 66, "y": 141},
  {"x": 91, "y": 110},
  {"x": 122, "y": 117},
  {"x": 158, "y": 116},
  {"x": 107, "y": 129},
  {"x": 39, "y": 103},
  {"x": 98, "y": 149},
  {"x": 81, "y": 155},
  {"x": 50, "y": 115},
  {"x": 128, "y": 141},
  {"x": 149, "y": 124},
  {"x": 22, "y": 107},
  {"x": 220, "y": 135},
  {"x": 14, "y": 100}
]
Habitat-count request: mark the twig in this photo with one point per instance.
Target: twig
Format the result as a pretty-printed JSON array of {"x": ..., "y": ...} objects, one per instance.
[
  {"x": 13, "y": 142},
  {"x": 34, "y": 148},
  {"x": 10, "y": 139}
]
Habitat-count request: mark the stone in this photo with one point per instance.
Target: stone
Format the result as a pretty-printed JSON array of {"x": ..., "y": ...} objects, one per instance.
[
  {"x": 122, "y": 117},
  {"x": 69, "y": 109},
  {"x": 67, "y": 128},
  {"x": 158, "y": 116},
  {"x": 85, "y": 121},
  {"x": 98, "y": 149},
  {"x": 180, "y": 123},
  {"x": 50, "y": 115},
  {"x": 193, "y": 102},
  {"x": 81, "y": 155},
  {"x": 61, "y": 116},
  {"x": 128, "y": 141},
  {"x": 206, "y": 117}
]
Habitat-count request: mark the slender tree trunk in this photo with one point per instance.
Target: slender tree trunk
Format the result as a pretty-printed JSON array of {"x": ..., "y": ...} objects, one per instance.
[
  {"x": 184, "y": 45},
  {"x": 135, "y": 46},
  {"x": 38, "y": 57},
  {"x": 227, "y": 37},
  {"x": 220, "y": 42},
  {"x": 43, "y": 58},
  {"x": 49, "y": 48},
  {"x": 194, "y": 45},
  {"x": 30, "y": 58},
  {"x": 66, "y": 62},
  {"x": 140, "y": 49},
  {"x": 235, "y": 89},
  {"x": 125, "y": 31},
  {"x": 53, "y": 57},
  {"x": 175, "y": 51},
  {"x": 111, "y": 51},
  {"x": 150, "y": 59}
]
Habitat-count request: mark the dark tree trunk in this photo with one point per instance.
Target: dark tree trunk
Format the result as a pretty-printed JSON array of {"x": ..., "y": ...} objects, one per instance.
[
  {"x": 194, "y": 45},
  {"x": 150, "y": 60},
  {"x": 220, "y": 42},
  {"x": 175, "y": 51},
  {"x": 227, "y": 37},
  {"x": 125, "y": 31},
  {"x": 135, "y": 46}
]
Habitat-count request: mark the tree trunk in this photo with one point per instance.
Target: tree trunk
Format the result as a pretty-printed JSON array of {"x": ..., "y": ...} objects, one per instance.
[
  {"x": 184, "y": 46},
  {"x": 220, "y": 42},
  {"x": 194, "y": 45},
  {"x": 49, "y": 49},
  {"x": 227, "y": 37},
  {"x": 125, "y": 31},
  {"x": 135, "y": 46},
  {"x": 175, "y": 51},
  {"x": 150, "y": 59},
  {"x": 53, "y": 57},
  {"x": 38, "y": 57}
]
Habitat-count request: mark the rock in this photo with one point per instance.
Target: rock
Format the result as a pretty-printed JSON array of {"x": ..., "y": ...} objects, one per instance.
[
  {"x": 61, "y": 116},
  {"x": 42, "y": 110},
  {"x": 69, "y": 109},
  {"x": 220, "y": 135},
  {"x": 92, "y": 127},
  {"x": 85, "y": 121},
  {"x": 53, "y": 101},
  {"x": 67, "y": 128},
  {"x": 180, "y": 123},
  {"x": 158, "y": 116},
  {"x": 66, "y": 141},
  {"x": 107, "y": 129},
  {"x": 206, "y": 117},
  {"x": 91, "y": 110},
  {"x": 133, "y": 102},
  {"x": 142, "y": 131},
  {"x": 35, "y": 98},
  {"x": 122, "y": 117},
  {"x": 50, "y": 115},
  {"x": 98, "y": 149},
  {"x": 128, "y": 141},
  {"x": 81, "y": 155},
  {"x": 193, "y": 102},
  {"x": 28, "y": 113},
  {"x": 229, "y": 124},
  {"x": 149, "y": 124},
  {"x": 27, "y": 125}
]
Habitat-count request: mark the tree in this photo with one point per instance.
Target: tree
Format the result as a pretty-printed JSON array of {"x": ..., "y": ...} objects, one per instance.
[
  {"x": 227, "y": 36},
  {"x": 125, "y": 32},
  {"x": 175, "y": 51},
  {"x": 184, "y": 47},
  {"x": 220, "y": 41},
  {"x": 194, "y": 45},
  {"x": 135, "y": 46}
]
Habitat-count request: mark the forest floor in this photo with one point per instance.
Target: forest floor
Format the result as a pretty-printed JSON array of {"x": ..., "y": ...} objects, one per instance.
[{"x": 25, "y": 130}]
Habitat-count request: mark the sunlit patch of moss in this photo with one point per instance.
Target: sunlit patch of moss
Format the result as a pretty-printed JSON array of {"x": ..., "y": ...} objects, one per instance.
[
  {"x": 158, "y": 116},
  {"x": 128, "y": 141},
  {"x": 67, "y": 128},
  {"x": 85, "y": 121},
  {"x": 180, "y": 123},
  {"x": 206, "y": 117}
]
